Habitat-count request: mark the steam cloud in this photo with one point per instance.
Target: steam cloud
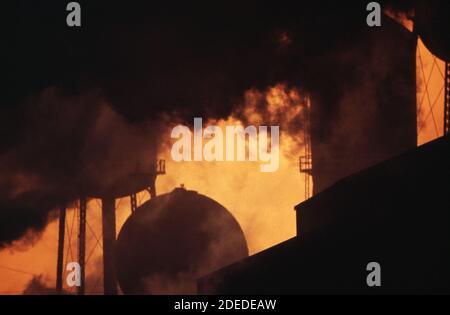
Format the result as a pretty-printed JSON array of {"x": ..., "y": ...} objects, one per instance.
[
  {"x": 83, "y": 106},
  {"x": 38, "y": 286}
]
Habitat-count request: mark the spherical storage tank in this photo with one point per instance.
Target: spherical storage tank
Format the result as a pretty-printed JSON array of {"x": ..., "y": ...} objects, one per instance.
[{"x": 172, "y": 240}]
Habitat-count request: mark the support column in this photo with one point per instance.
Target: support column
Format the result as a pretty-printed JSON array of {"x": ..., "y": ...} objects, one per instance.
[
  {"x": 133, "y": 200},
  {"x": 109, "y": 240},
  {"x": 82, "y": 245},
  {"x": 447, "y": 98},
  {"x": 60, "y": 260}
]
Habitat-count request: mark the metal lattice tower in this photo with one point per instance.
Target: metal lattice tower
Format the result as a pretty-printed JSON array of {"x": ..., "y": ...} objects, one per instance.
[
  {"x": 447, "y": 98},
  {"x": 428, "y": 101},
  {"x": 109, "y": 237}
]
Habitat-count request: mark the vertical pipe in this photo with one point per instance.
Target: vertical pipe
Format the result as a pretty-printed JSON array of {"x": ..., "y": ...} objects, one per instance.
[
  {"x": 109, "y": 239},
  {"x": 82, "y": 244},
  {"x": 447, "y": 98},
  {"x": 60, "y": 260}
]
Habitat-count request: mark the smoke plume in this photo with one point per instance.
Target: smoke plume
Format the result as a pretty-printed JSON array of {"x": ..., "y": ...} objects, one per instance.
[{"x": 83, "y": 108}]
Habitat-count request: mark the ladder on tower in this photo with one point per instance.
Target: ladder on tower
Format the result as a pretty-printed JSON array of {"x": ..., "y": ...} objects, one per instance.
[{"x": 305, "y": 161}]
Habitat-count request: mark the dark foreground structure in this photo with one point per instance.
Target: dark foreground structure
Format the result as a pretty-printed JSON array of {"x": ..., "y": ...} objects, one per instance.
[
  {"x": 396, "y": 214},
  {"x": 196, "y": 242}
]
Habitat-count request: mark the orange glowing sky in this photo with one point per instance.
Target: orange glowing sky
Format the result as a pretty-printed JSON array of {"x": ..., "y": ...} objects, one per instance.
[{"x": 262, "y": 202}]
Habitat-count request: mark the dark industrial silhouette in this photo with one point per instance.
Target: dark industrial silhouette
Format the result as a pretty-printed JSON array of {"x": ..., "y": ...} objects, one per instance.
[
  {"x": 191, "y": 60},
  {"x": 395, "y": 213},
  {"x": 363, "y": 112}
]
